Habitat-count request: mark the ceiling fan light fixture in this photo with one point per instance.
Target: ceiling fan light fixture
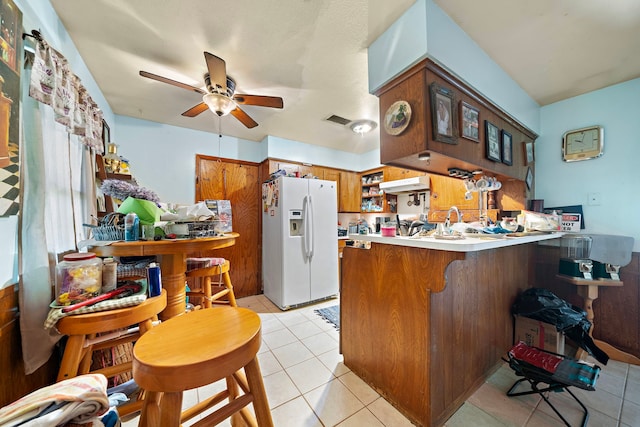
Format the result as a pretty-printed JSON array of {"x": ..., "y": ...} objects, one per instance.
[
  {"x": 219, "y": 104},
  {"x": 363, "y": 126}
]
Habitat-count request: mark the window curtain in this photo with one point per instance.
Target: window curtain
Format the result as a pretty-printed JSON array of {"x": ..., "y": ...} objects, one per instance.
[{"x": 58, "y": 197}]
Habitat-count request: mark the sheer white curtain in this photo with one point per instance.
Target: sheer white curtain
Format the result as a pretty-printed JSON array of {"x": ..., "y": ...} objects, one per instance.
[{"x": 58, "y": 197}]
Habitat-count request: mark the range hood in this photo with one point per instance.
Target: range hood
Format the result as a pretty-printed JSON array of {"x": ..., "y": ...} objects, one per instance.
[{"x": 407, "y": 185}]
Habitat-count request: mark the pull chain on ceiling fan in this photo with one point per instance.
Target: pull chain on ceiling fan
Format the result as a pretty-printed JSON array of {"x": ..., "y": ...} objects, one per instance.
[{"x": 220, "y": 96}]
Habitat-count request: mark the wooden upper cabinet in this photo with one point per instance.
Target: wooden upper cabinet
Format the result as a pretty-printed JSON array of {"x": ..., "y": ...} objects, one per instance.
[
  {"x": 330, "y": 175},
  {"x": 293, "y": 168},
  {"x": 393, "y": 174},
  {"x": 402, "y": 150},
  {"x": 349, "y": 195}
]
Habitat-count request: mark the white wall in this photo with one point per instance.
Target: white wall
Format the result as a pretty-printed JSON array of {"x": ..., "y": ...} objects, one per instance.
[
  {"x": 280, "y": 148},
  {"x": 425, "y": 30},
  {"x": 399, "y": 47},
  {"x": 614, "y": 175},
  {"x": 162, "y": 157}
]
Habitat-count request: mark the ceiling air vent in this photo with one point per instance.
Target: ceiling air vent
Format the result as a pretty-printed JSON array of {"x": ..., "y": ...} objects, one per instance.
[{"x": 337, "y": 119}]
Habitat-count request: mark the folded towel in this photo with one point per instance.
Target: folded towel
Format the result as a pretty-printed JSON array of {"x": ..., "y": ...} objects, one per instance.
[
  {"x": 56, "y": 313},
  {"x": 76, "y": 400}
]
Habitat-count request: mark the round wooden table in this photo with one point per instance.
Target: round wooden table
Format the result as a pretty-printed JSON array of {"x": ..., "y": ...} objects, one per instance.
[{"x": 173, "y": 262}]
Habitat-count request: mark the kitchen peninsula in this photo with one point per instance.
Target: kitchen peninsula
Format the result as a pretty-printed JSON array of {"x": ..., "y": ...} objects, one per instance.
[{"x": 426, "y": 321}]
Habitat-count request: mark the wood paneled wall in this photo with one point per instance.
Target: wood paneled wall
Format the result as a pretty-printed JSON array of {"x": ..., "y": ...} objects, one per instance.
[
  {"x": 617, "y": 309},
  {"x": 425, "y": 328},
  {"x": 15, "y": 383}
]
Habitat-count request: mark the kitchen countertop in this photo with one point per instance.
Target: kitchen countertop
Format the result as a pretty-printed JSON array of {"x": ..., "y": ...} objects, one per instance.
[{"x": 468, "y": 244}]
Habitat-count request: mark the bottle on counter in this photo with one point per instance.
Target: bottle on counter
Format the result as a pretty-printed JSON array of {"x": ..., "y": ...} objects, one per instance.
[
  {"x": 154, "y": 280},
  {"x": 109, "y": 275},
  {"x": 131, "y": 227}
]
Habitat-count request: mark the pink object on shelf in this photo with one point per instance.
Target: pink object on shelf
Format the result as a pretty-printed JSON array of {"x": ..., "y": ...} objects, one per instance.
[{"x": 388, "y": 231}]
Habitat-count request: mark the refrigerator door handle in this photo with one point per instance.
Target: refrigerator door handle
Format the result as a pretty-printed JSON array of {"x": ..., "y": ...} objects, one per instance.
[
  {"x": 310, "y": 227},
  {"x": 305, "y": 222}
]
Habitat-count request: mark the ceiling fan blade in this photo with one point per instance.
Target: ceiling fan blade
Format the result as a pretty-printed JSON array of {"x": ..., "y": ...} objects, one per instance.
[
  {"x": 171, "y": 82},
  {"x": 195, "y": 110},
  {"x": 260, "y": 101},
  {"x": 244, "y": 118},
  {"x": 217, "y": 71}
]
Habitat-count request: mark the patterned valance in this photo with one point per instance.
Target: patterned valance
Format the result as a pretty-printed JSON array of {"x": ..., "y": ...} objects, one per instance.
[{"x": 53, "y": 83}]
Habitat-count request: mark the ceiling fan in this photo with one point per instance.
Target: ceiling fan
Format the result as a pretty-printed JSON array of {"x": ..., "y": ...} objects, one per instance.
[{"x": 220, "y": 96}]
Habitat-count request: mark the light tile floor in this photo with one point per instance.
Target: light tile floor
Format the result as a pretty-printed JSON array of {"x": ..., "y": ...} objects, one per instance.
[{"x": 307, "y": 384}]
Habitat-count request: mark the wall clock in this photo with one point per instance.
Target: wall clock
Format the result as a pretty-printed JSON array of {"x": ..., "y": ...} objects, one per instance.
[{"x": 583, "y": 144}]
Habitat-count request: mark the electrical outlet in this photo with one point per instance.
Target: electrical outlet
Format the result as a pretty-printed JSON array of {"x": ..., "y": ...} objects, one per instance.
[{"x": 594, "y": 199}]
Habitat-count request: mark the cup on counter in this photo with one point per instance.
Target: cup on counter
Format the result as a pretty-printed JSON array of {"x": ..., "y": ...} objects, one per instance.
[{"x": 148, "y": 232}]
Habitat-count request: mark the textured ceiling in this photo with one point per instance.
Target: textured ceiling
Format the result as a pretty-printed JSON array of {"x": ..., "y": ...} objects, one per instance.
[
  {"x": 313, "y": 54},
  {"x": 555, "y": 49}
]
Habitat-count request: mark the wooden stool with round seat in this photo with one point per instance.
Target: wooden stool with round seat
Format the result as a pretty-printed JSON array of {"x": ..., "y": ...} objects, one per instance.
[
  {"x": 196, "y": 349},
  {"x": 205, "y": 275},
  {"x": 81, "y": 329}
]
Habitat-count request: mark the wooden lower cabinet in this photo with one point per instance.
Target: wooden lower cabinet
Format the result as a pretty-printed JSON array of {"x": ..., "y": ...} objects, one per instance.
[
  {"x": 424, "y": 327},
  {"x": 15, "y": 383}
]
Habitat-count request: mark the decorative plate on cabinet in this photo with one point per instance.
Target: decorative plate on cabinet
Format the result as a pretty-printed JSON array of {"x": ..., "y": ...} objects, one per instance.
[{"x": 397, "y": 118}]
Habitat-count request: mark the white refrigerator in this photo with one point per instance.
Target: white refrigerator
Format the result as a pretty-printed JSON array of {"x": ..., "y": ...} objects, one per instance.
[{"x": 299, "y": 241}]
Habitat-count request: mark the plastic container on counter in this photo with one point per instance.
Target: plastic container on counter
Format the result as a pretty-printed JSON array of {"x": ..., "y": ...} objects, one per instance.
[
  {"x": 388, "y": 229},
  {"x": 78, "y": 278},
  {"x": 109, "y": 275}
]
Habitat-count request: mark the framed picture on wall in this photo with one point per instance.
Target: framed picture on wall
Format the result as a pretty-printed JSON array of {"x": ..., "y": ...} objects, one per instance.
[
  {"x": 528, "y": 153},
  {"x": 469, "y": 122},
  {"x": 443, "y": 113},
  {"x": 529, "y": 179},
  {"x": 492, "y": 140},
  {"x": 507, "y": 148}
]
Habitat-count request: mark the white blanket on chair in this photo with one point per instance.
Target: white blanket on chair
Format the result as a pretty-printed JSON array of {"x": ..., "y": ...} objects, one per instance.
[{"x": 79, "y": 400}]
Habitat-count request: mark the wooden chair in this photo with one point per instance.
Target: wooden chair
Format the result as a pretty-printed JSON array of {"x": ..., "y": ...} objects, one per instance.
[
  {"x": 196, "y": 349},
  {"x": 213, "y": 275},
  {"x": 82, "y": 329}
]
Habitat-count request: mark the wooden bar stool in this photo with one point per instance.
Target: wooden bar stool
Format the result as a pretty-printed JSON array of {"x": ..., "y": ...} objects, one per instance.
[
  {"x": 196, "y": 349},
  {"x": 205, "y": 275},
  {"x": 81, "y": 329}
]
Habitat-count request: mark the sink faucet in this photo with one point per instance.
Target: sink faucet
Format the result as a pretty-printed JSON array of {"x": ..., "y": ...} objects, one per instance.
[{"x": 447, "y": 222}]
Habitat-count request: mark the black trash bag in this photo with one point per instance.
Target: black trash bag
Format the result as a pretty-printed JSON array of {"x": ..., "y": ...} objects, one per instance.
[{"x": 543, "y": 305}]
